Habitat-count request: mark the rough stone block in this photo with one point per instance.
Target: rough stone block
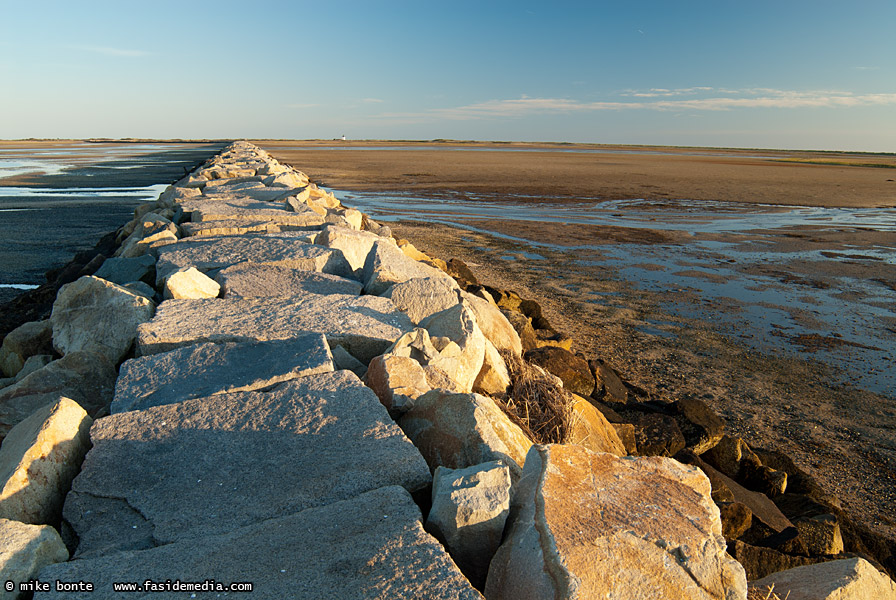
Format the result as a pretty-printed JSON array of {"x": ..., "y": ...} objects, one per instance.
[
  {"x": 424, "y": 296},
  {"x": 462, "y": 430},
  {"x": 86, "y": 378},
  {"x": 250, "y": 280},
  {"x": 189, "y": 284},
  {"x": 233, "y": 459},
  {"x": 25, "y": 550},
  {"x": 38, "y": 460},
  {"x": 126, "y": 270},
  {"x": 365, "y": 325},
  {"x": 469, "y": 509},
  {"x": 847, "y": 579},
  {"x": 25, "y": 340},
  {"x": 591, "y": 525},
  {"x": 387, "y": 265},
  {"x": 208, "y": 369},
  {"x": 369, "y": 546},
  {"x": 94, "y": 315},
  {"x": 206, "y": 253}
]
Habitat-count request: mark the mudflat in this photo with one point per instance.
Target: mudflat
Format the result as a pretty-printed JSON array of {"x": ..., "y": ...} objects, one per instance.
[
  {"x": 576, "y": 171},
  {"x": 673, "y": 339}
]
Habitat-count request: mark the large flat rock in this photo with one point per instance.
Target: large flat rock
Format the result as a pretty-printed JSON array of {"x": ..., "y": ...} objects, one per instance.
[
  {"x": 206, "y": 253},
  {"x": 229, "y": 207},
  {"x": 249, "y": 280},
  {"x": 364, "y": 325},
  {"x": 371, "y": 546},
  {"x": 210, "y": 465},
  {"x": 208, "y": 369}
]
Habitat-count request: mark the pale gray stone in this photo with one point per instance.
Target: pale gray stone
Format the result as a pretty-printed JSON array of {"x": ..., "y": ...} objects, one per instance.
[
  {"x": 38, "y": 361},
  {"x": 368, "y": 547},
  {"x": 249, "y": 280},
  {"x": 144, "y": 289},
  {"x": 94, "y": 315},
  {"x": 387, "y": 265},
  {"x": 206, "y": 253},
  {"x": 462, "y": 430},
  {"x": 461, "y": 344},
  {"x": 424, "y": 296},
  {"x": 355, "y": 245},
  {"x": 25, "y": 550},
  {"x": 234, "y": 459},
  {"x": 365, "y": 325},
  {"x": 125, "y": 270},
  {"x": 469, "y": 508},
  {"x": 241, "y": 208},
  {"x": 208, "y": 369}
]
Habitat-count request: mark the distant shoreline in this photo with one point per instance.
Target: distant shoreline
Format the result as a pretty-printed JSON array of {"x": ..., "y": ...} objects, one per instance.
[{"x": 454, "y": 143}]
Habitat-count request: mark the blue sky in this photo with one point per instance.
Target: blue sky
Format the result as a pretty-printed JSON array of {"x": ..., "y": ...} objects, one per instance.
[{"x": 784, "y": 74}]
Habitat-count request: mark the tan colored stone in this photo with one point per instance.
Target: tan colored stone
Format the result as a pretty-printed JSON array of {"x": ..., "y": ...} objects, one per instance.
[
  {"x": 94, "y": 315},
  {"x": 592, "y": 430},
  {"x": 22, "y": 342},
  {"x": 460, "y": 343},
  {"x": 174, "y": 195},
  {"x": 25, "y": 550},
  {"x": 38, "y": 460},
  {"x": 495, "y": 326},
  {"x": 493, "y": 378},
  {"x": 86, "y": 378},
  {"x": 469, "y": 508},
  {"x": 190, "y": 284},
  {"x": 204, "y": 228},
  {"x": 591, "y": 525},
  {"x": 847, "y": 579},
  {"x": 462, "y": 430},
  {"x": 821, "y": 534},
  {"x": 397, "y": 381}
]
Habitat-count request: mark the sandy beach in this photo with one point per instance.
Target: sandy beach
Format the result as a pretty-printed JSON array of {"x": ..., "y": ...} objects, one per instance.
[{"x": 841, "y": 432}]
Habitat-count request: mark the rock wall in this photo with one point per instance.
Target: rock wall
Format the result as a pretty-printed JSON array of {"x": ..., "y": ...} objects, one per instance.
[{"x": 283, "y": 398}]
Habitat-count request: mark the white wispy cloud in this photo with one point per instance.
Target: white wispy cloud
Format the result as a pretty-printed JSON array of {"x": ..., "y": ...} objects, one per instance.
[
  {"x": 705, "y": 99},
  {"x": 110, "y": 51},
  {"x": 371, "y": 101}
]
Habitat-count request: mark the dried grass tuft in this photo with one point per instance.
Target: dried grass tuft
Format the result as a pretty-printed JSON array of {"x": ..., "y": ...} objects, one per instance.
[
  {"x": 766, "y": 594},
  {"x": 542, "y": 409}
]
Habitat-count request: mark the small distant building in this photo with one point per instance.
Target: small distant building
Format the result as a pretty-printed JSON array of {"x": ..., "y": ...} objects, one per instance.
[{"x": 343, "y": 137}]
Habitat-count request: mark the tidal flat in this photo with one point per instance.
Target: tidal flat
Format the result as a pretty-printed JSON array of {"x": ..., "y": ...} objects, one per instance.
[
  {"x": 58, "y": 198},
  {"x": 763, "y": 282}
]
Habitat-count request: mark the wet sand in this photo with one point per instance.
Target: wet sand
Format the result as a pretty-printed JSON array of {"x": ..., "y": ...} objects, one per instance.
[
  {"x": 839, "y": 432},
  {"x": 607, "y": 172}
]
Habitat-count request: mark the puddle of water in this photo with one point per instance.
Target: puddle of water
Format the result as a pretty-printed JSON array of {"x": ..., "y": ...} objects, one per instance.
[
  {"x": 681, "y": 215},
  {"x": 18, "y": 286},
  {"x": 774, "y": 310}
]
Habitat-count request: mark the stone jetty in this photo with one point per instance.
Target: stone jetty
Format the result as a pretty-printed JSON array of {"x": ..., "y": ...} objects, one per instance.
[{"x": 264, "y": 392}]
